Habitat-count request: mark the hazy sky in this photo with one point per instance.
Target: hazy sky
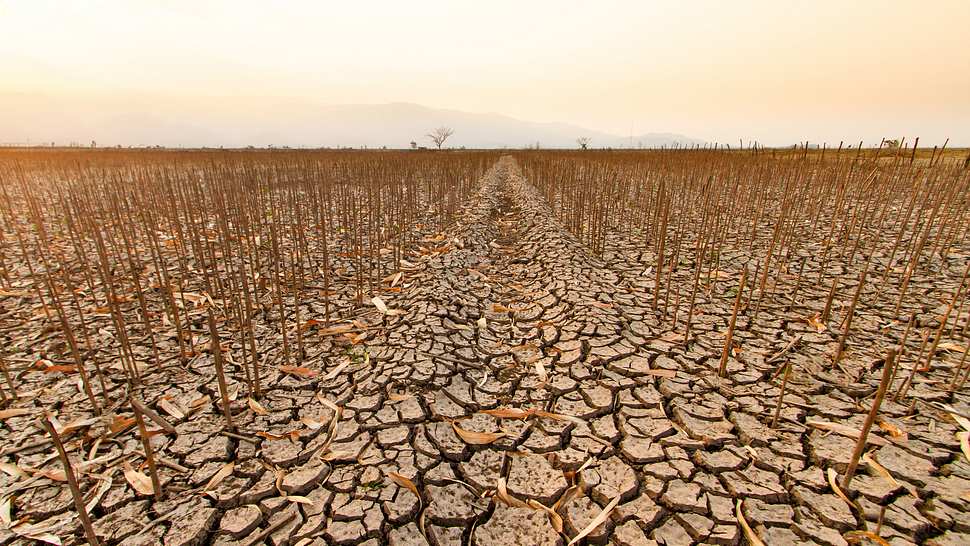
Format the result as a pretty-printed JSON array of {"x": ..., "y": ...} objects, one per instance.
[{"x": 774, "y": 71}]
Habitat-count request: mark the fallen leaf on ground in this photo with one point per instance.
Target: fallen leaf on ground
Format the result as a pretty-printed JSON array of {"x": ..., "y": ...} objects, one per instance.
[
  {"x": 749, "y": 534},
  {"x": 405, "y": 483},
  {"x": 141, "y": 483},
  {"x": 257, "y": 407},
  {"x": 477, "y": 438},
  {"x": 299, "y": 371},
  {"x": 597, "y": 521},
  {"x": 15, "y": 412},
  {"x": 217, "y": 478}
]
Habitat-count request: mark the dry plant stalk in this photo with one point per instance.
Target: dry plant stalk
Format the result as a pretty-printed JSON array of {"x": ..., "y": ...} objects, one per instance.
[
  {"x": 860, "y": 445},
  {"x": 79, "y": 507},
  {"x": 722, "y": 369}
]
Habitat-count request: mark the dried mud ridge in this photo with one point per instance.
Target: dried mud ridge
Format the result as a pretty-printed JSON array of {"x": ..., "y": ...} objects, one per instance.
[{"x": 519, "y": 315}]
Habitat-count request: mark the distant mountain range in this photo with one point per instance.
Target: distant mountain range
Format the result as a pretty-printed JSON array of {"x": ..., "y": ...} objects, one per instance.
[{"x": 394, "y": 125}]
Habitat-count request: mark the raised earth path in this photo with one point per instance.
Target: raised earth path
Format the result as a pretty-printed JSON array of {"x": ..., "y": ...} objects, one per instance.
[{"x": 516, "y": 386}]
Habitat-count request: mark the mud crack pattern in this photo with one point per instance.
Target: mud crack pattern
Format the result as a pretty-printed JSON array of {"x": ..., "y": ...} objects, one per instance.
[{"x": 523, "y": 387}]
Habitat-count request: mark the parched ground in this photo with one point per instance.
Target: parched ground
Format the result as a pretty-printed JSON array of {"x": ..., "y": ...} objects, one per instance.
[{"x": 519, "y": 385}]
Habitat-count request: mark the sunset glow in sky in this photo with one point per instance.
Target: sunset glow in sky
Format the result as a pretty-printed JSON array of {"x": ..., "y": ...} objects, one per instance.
[{"x": 778, "y": 72}]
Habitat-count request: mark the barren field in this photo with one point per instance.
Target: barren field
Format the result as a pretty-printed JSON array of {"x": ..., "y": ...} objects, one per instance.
[{"x": 408, "y": 348}]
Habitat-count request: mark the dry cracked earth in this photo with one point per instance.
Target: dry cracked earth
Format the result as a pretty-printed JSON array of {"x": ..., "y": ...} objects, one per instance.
[{"x": 517, "y": 386}]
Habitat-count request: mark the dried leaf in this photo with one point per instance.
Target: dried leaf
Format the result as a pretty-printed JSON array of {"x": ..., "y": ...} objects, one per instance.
[
  {"x": 120, "y": 424},
  {"x": 477, "y": 438},
  {"x": 554, "y": 519},
  {"x": 597, "y": 521},
  {"x": 336, "y": 371},
  {"x": 170, "y": 408},
  {"x": 405, "y": 483},
  {"x": 881, "y": 470},
  {"x": 815, "y": 322},
  {"x": 299, "y": 499},
  {"x": 502, "y": 494},
  {"x": 103, "y": 488},
  {"x": 833, "y": 483},
  {"x": 5, "y": 511},
  {"x": 15, "y": 412},
  {"x": 257, "y": 407},
  {"x": 541, "y": 372},
  {"x": 749, "y": 534},
  {"x": 859, "y": 536},
  {"x": 55, "y": 474},
  {"x": 13, "y": 470},
  {"x": 311, "y": 424},
  {"x": 379, "y": 304},
  {"x": 141, "y": 483},
  {"x": 964, "y": 437},
  {"x": 509, "y": 413},
  {"x": 961, "y": 420},
  {"x": 299, "y": 371},
  {"x": 951, "y": 346},
  {"x": 76, "y": 425},
  {"x": 217, "y": 478},
  {"x": 892, "y": 429},
  {"x": 199, "y": 402},
  {"x": 846, "y": 430}
]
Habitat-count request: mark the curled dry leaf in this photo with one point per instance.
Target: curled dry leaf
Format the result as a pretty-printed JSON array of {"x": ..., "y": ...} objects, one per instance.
[
  {"x": 961, "y": 420},
  {"x": 405, "y": 483},
  {"x": 477, "y": 438},
  {"x": 299, "y": 499},
  {"x": 964, "y": 437},
  {"x": 141, "y": 483},
  {"x": 257, "y": 407},
  {"x": 597, "y": 521},
  {"x": 502, "y": 493},
  {"x": 833, "y": 483},
  {"x": 554, "y": 519},
  {"x": 310, "y": 423},
  {"x": 881, "y": 470},
  {"x": 749, "y": 534},
  {"x": 217, "y": 478}
]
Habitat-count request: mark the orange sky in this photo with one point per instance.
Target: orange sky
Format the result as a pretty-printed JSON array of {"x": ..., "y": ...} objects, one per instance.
[{"x": 778, "y": 72}]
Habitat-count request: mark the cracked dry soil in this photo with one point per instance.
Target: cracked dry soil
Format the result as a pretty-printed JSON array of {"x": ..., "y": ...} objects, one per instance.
[{"x": 524, "y": 376}]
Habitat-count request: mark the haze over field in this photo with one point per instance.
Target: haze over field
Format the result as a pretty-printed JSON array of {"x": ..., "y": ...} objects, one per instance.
[{"x": 237, "y": 73}]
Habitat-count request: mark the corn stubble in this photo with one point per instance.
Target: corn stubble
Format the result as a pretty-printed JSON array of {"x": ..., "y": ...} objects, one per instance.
[{"x": 234, "y": 264}]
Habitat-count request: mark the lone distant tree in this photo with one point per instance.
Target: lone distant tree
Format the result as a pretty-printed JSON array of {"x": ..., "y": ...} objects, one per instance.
[
  {"x": 440, "y": 135},
  {"x": 583, "y": 142}
]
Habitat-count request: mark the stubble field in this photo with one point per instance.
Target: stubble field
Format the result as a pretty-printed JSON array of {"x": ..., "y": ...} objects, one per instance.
[{"x": 539, "y": 347}]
